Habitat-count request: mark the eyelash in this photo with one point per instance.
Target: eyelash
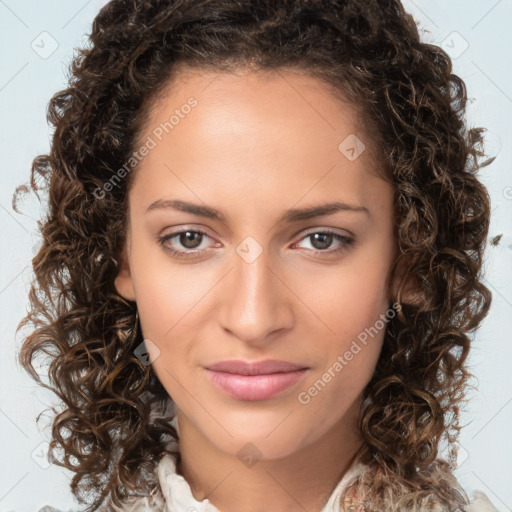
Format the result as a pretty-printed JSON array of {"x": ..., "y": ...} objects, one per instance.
[{"x": 346, "y": 242}]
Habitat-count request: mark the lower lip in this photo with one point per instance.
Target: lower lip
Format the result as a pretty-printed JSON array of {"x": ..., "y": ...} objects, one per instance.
[{"x": 255, "y": 387}]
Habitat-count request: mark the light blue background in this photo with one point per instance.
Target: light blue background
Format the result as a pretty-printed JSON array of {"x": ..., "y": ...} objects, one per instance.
[{"x": 27, "y": 81}]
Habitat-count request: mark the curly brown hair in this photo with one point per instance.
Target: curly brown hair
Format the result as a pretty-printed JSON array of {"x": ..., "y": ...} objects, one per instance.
[{"x": 113, "y": 428}]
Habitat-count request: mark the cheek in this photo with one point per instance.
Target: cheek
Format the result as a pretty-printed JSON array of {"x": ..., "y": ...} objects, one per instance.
[
  {"x": 348, "y": 369},
  {"x": 352, "y": 307},
  {"x": 169, "y": 304},
  {"x": 349, "y": 298},
  {"x": 166, "y": 295}
]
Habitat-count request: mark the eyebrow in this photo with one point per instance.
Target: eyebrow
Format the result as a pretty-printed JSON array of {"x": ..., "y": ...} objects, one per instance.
[{"x": 292, "y": 215}]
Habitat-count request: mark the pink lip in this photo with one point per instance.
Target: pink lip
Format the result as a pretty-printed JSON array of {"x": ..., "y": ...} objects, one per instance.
[
  {"x": 255, "y": 381},
  {"x": 254, "y": 368}
]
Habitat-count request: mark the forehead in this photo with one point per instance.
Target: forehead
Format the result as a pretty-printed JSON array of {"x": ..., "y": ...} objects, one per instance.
[
  {"x": 253, "y": 133},
  {"x": 286, "y": 100}
]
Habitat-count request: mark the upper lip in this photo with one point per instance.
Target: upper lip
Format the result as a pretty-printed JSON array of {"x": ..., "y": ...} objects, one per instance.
[{"x": 256, "y": 367}]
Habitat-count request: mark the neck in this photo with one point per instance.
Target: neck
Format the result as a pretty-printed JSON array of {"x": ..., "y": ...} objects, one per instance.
[{"x": 304, "y": 480}]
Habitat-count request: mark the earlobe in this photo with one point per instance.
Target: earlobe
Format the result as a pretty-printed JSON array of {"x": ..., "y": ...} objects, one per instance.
[
  {"x": 410, "y": 291},
  {"x": 124, "y": 281}
]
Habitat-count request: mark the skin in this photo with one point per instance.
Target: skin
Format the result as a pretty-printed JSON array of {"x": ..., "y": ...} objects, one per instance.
[{"x": 256, "y": 145}]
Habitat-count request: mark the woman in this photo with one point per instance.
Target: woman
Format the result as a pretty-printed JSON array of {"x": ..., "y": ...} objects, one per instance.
[{"x": 261, "y": 261}]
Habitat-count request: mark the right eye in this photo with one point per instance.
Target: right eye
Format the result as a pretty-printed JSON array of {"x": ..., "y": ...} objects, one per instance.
[{"x": 190, "y": 239}]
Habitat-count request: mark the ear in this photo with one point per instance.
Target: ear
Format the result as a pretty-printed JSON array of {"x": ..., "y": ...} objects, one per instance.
[
  {"x": 124, "y": 281},
  {"x": 411, "y": 292}
]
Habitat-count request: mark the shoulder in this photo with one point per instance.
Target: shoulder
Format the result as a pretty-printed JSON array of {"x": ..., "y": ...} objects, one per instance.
[
  {"x": 481, "y": 503},
  {"x": 144, "y": 504},
  {"x": 152, "y": 503},
  {"x": 354, "y": 500}
]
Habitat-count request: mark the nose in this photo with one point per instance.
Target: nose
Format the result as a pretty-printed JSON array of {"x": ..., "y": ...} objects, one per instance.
[{"x": 256, "y": 301}]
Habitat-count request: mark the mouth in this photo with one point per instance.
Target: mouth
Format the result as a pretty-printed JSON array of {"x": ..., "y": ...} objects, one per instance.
[{"x": 260, "y": 380}]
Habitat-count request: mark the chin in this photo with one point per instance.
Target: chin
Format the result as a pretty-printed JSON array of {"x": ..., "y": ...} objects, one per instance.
[
  {"x": 262, "y": 436},
  {"x": 260, "y": 448}
]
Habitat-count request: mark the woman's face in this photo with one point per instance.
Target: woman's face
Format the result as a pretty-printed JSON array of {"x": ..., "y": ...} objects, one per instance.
[{"x": 246, "y": 159}]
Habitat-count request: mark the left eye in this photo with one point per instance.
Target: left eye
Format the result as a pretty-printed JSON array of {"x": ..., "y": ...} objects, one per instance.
[
  {"x": 324, "y": 240},
  {"x": 191, "y": 241}
]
